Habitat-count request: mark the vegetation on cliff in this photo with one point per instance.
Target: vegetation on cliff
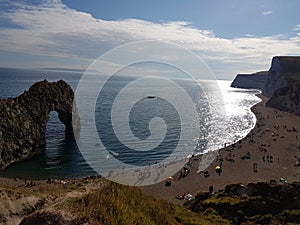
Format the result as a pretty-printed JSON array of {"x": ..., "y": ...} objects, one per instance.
[
  {"x": 284, "y": 84},
  {"x": 98, "y": 201},
  {"x": 259, "y": 203},
  {"x": 94, "y": 202},
  {"x": 290, "y": 67}
]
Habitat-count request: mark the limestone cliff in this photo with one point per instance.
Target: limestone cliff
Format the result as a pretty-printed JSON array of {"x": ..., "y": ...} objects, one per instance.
[
  {"x": 283, "y": 84},
  {"x": 286, "y": 99},
  {"x": 255, "y": 80},
  {"x": 284, "y": 70},
  {"x": 23, "y": 120}
]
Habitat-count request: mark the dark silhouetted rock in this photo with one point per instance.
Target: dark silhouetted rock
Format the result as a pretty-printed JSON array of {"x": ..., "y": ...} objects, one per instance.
[
  {"x": 287, "y": 99},
  {"x": 283, "y": 84},
  {"x": 23, "y": 120},
  {"x": 284, "y": 71},
  {"x": 253, "y": 81}
]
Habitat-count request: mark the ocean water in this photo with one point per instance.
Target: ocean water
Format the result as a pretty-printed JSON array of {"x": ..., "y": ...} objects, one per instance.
[{"x": 62, "y": 158}]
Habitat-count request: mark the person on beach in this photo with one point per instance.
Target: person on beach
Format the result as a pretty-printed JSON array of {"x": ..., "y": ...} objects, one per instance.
[
  {"x": 218, "y": 170},
  {"x": 255, "y": 167},
  {"x": 181, "y": 196},
  {"x": 211, "y": 189},
  {"x": 189, "y": 197},
  {"x": 206, "y": 174}
]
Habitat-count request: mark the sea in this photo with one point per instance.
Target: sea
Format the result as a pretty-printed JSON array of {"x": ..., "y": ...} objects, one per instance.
[{"x": 63, "y": 157}]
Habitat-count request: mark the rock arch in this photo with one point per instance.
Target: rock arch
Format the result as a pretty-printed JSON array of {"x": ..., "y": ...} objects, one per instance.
[{"x": 23, "y": 120}]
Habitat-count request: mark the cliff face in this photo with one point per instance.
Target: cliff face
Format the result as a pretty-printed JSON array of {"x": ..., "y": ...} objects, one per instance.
[
  {"x": 23, "y": 120},
  {"x": 255, "y": 80},
  {"x": 287, "y": 99},
  {"x": 275, "y": 79},
  {"x": 282, "y": 84},
  {"x": 284, "y": 70}
]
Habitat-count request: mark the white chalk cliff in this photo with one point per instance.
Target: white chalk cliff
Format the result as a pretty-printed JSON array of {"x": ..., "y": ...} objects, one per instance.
[
  {"x": 283, "y": 84},
  {"x": 287, "y": 99},
  {"x": 275, "y": 78},
  {"x": 255, "y": 80}
]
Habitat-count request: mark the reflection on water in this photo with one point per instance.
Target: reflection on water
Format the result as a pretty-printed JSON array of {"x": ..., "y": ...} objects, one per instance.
[
  {"x": 61, "y": 158},
  {"x": 55, "y": 137}
]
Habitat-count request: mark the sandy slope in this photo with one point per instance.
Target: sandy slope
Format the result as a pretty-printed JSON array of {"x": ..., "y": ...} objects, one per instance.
[{"x": 18, "y": 200}]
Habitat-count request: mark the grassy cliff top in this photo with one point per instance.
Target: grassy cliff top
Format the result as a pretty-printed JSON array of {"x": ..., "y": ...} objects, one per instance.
[
  {"x": 93, "y": 201},
  {"x": 290, "y": 66},
  {"x": 98, "y": 201}
]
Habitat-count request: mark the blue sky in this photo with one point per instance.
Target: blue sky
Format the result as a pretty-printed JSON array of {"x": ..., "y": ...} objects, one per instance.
[
  {"x": 233, "y": 18},
  {"x": 230, "y": 36}
]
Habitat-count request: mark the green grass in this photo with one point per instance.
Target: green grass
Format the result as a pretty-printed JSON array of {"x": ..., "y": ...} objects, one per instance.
[
  {"x": 293, "y": 76},
  {"x": 117, "y": 204}
]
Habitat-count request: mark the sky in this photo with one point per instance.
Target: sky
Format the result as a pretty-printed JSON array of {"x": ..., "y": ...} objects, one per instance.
[{"x": 233, "y": 36}]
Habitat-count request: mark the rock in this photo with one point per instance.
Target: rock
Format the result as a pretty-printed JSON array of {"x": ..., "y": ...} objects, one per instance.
[
  {"x": 286, "y": 99},
  {"x": 284, "y": 70},
  {"x": 24, "y": 119},
  {"x": 252, "y": 81},
  {"x": 283, "y": 84}
]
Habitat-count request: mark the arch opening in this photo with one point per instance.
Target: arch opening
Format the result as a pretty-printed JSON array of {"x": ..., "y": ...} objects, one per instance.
[{"x": 55, "y": 136}]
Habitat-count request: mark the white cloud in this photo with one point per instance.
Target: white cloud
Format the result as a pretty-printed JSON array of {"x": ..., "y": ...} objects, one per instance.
[
  {"x": 297, "y": 28},
  {"x": 54, "y": 29},
  {"x": 267, "y": 12}
]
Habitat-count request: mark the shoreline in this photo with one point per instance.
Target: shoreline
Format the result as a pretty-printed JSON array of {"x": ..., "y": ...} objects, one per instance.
[
  {"x": 259, "y": 142},
  {"x": 273, "y": 147},
  {"x": 227, "y": 144}
]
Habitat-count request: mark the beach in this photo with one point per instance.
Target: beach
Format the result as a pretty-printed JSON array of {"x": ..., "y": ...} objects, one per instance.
[
  {"x": 267, "y": 154},
  {"x": 273, "y": 146}
]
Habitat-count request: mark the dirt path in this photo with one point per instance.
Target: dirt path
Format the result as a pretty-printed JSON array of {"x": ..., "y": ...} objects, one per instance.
[{"x": 19, "y": 200}]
